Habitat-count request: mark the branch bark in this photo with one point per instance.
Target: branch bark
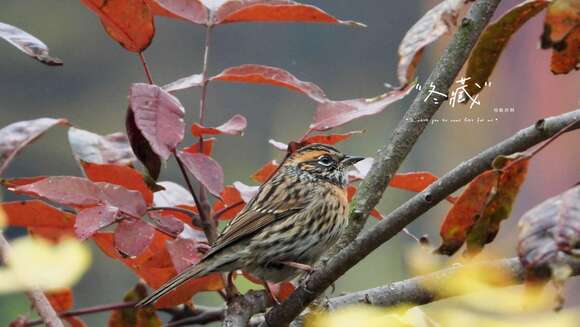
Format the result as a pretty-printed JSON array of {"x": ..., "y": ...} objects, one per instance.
[
  {"x": 414, "y": 290},
  {"x": 242, "y": 308},
  {"x": 387, "y": 162},
  {"x": 36, "y": 296}
]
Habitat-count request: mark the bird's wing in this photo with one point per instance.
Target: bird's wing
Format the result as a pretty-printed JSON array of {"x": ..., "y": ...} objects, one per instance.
[{"x": 261, "y": 211}]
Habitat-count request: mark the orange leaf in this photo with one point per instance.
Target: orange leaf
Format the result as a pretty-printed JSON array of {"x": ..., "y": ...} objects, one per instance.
[
  {"x": 230, "y": 198},
  {"x": 120, "y": 175},
  {"x": 207, "y": 147},
  {"x": 465, "y": 211},
  {"x": 262, "y": 175},
  {"x": 128, "y": 22},
  {"x": 61, "y": 300},
  {"x": 75, "y": 322},
  {"x": 40, "y": 218}
]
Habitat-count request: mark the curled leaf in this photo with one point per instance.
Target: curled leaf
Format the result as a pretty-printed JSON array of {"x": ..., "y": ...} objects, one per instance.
[
  {"x": 435, "y": 23},
  {"x": 28, "y": 44},
  {"x": 261, "y": 74},
  {"x": 141, "y": 147},
  {"x": 234, "y": 126},
  {"x": 332, "y": 114},
  {"x": 109, "y": 149},
  {"x": 14, "y": 137},
  {"x": 184, "y": 83}
]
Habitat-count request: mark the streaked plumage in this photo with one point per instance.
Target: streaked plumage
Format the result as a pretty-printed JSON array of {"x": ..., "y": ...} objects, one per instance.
[{"x": 295, "y": 216}]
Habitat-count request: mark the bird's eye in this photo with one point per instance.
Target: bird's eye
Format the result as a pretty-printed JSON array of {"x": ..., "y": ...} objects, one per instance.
[{"x": 325, "y": 160}]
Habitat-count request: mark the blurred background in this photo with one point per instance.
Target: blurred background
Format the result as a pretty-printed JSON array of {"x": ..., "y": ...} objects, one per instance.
[{"x": 91, "y": 91}]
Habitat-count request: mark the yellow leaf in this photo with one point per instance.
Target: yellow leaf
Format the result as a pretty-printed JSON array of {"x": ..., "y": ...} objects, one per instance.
[
  {"x": 2, "y": 218},
  {"x": 34, "y": 262}
]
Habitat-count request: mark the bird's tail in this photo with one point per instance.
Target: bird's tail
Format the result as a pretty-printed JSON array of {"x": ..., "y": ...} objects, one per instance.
[{"x": 201, "y": 269}]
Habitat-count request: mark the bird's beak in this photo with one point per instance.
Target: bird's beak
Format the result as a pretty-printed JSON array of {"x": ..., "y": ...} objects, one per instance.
[{"x": 351, "y": 160}]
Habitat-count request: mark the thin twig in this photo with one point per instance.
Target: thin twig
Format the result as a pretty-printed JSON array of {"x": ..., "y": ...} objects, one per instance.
[
  {"x": 145, "y": 67},
  {"x": 89, "y": 310},
  {"x": 192, "y": 215},
  {"x": 39, "y": 301},
  {"x": 222, "y": 211},
  {"x": 200, "y": 316},
  {"x": 386, "y": 164}
]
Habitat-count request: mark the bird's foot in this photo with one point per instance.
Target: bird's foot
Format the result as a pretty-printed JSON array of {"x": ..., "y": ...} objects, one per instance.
[{"x": 270, "y": 293}]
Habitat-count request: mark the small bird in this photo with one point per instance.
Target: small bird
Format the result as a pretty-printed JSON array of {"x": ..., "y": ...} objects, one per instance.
[{"x": 294, "y": 217}]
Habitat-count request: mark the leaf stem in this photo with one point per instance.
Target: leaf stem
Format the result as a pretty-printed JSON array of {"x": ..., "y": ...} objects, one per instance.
[
  {"x": 146, "y": 68},
  {"x": 89, "y": 310}
]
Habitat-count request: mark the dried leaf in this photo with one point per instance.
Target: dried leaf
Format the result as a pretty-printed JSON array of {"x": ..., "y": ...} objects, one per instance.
[
  {"x": 498, "y": 208},
  {"x": 234, "y": 126},
  {"x": 184, "y": 83},
  {"x": 128, "y": 22},
  {"x": 464, "y": 213},
  {"x": 131, "y": 317},
  {"x": 494, "y": 39},
  {"x": 332, "y": 114},
  {"x": 132, "y": 236},
  {"x": 109, "y": 149},
  {"x": 261, "y": 74},
  {"x": 28, "y": 44},
  {"x": 14, "y": 137},
  {"x": 562, "y": 34},
  {"x": 141, "y": 147},
  {"x": 206, "y": 170},
  {"x": 159, "y": 117},
  {"x": 435, "y": 23}
]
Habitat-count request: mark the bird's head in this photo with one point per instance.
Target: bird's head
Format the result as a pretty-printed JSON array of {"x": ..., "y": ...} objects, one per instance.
[{"x": 320, "y": 162}]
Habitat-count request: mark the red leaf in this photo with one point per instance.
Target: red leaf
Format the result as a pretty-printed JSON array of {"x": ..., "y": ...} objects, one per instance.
[
  {"x": 332, "y": 114},
  {"x": 260, "y": 74},
  {"x": 234, "y": 126},
  {"x": 206, "y": 170},
  {"x": 164, "y": 221},
  {"x": 276, "y": 11},
  {"x": 124, "y": 176},
  {"x": 264, "y": 173},
  {"x": 141, "y": 147},
  {"x": 128, "y": 22},
  {"x": 80, "y": 192},
  {"x": 414, "y": 181},
  {"x": 109, "y": 149},
  {"x": 61, "y": 300},
  {"x": 28, "y": 44},
  {"x": 184, "y": 253},
  {"x": 207, "y": 147},
  {"x": 191, "y": 10},
  {"x": 159, "y": 116},
  {"x": 230, "y": 205},
  {"x": 75, "y": 322},
  {"x": 14, "y": 137},
  {"x": 90, "y": 220},
  {"x": 172, "y": 196},
  {"x": 184, "y": 83},
  {"x": 132, "y": 236}
]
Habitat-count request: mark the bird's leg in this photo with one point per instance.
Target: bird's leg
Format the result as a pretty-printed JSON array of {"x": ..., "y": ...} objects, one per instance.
[
  {"x": 231, "y": 289},
  {"x": 270, "y": 293},
  {"x": 299, "y": 266}
]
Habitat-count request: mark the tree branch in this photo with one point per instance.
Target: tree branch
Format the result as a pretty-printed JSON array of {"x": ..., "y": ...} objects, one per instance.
[
  {"x": 387, "y": 162},
  {"x": 414, "y": 290},
  {"x": 36, "y": 296},
  {"x": 242, "y": 308}
]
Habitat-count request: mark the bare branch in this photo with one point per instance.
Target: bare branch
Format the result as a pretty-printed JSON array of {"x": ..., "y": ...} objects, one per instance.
[
  {"x": 36, "y": 296},
  {"x": 387, "y": 162},
  {"x": 413, "y": 290},
  {"x": 242, "y": 308}
]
